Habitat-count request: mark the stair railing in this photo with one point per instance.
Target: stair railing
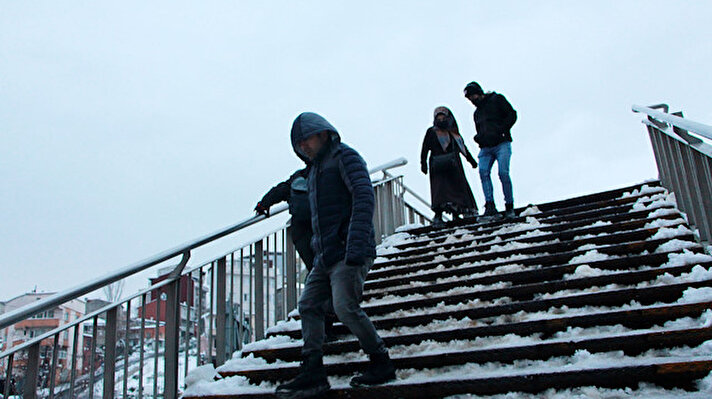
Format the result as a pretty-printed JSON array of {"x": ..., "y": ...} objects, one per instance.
[
  {"x": 684, "y": 162},
  {"x": 191, "y": 316}
]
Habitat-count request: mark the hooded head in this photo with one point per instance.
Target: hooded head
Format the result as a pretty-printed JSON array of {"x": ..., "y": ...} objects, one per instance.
[
  {"x": 308, "y": 124},
  {"x": 447, "y": 123}
]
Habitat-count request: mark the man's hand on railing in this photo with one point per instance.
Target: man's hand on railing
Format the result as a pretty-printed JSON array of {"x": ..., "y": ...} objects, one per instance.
[
  {"x": 262, "y": 210},
  {"x": 424, "y": 168}
]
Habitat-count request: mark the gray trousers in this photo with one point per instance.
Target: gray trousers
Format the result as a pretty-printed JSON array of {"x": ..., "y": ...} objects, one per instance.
[{"x": 344, "y": 284}]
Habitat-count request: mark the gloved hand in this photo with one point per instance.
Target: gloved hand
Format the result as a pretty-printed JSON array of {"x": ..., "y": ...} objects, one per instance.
[
  {"x": 424, "y": 168},
  {"x": 473, "y": 163},
  {"x": 261, "y": 209}
]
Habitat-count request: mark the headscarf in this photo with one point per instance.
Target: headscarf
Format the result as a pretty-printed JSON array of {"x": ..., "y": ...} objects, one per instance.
[{"x": 450, "y": 132}]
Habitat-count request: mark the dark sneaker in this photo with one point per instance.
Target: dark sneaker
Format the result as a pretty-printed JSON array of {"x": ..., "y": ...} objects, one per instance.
[
  {"x": 380, "y": 370},
  {"x": 310, "y": 383},
  {"x": 490, "y": 210}
]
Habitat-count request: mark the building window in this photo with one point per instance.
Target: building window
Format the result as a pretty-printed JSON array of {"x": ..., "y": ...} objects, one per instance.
[
  {"x": 62, "y": 354},
  {"x": 66, "y": 316}
]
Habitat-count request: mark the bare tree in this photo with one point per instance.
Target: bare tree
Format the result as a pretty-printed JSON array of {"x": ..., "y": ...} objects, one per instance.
[{"x": 113, "y": 291}]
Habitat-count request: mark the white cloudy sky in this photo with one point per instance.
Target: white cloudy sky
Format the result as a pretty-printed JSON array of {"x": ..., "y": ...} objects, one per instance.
[{"x": 127, "y": 128}]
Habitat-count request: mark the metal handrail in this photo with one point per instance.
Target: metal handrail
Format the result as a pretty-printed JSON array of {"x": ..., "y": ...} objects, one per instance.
[
  {"x": 59, "y": 298},
  {"x": 696, "y": 127},
  {"x": 684, "y": 163}
]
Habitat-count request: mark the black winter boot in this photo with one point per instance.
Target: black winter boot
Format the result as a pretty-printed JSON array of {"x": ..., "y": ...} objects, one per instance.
[
  {"x": 490, "y": 210},
  {"x": 380, "y": 370},
  {"x": 310, "y": 383},
  {"x": 509, "y": 211}
]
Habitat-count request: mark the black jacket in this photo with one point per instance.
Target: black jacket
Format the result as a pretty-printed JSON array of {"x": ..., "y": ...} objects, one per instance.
[
  {"x": 341, "y": 197},
  {"x": 494, "y": 118},
  {"x": 291, "y": 190}
]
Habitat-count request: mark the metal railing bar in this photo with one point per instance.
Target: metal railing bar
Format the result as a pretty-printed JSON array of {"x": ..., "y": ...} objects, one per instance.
[
  {"x": 110, "y": 334},
  {"x": 199, "y": 315},
  {"x": 92, "y": 356},
  {"x": 251, "y": 297},
  {"x": 231, "y": 319},
  {"x": 240, "y": 332},
  {"x": 73, "y": 371},
  {"x": 276, "y": 274},
  {"x": 188, "y": 317},
  {"x": 267, "y": 292},
  {"x": 142, "y": 343},
  {"x": 689, "y": 125},
  {"x": 156, "y": 341},
  {"x": 31, "y": 376},
  {"x": 8, "y": 376},
  {"x": 126, "y": 349},
  {"x": 211, "y": 311},
  {"x": 220, "y": 311},
  {"x": 53, "y": 368}
]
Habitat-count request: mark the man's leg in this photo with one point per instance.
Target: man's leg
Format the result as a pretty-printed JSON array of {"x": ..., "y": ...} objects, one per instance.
[
  {"x": 311, "y": 380},
  {"x": 312, "y": 307},
  {"x": 504, "y": 154},
  {"x": 347, "y": 288},
  {"x": 487, "y": 158}
]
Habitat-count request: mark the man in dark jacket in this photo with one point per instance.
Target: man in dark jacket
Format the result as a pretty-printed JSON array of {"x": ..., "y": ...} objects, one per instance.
[
  {"x": 494, "y": 118},
  {"x": 342, "y": 203}
]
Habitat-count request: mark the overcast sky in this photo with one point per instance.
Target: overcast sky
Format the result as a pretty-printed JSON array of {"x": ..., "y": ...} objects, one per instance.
[{"x": 127, "y": 128}]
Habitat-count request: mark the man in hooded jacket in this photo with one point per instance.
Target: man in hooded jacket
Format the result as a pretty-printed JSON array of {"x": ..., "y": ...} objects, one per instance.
[
  {"x": 342, "y": 203},
  {"x": 494, "y": 118}
]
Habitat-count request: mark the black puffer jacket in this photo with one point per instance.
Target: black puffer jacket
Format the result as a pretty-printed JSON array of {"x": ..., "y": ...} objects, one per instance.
[
  {"x": 340, "y": 197},
  {"x": 494, "y": 117}
]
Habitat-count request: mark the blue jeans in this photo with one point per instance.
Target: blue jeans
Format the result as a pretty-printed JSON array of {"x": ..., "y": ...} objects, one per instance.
[
  {"x": 502, "y": 154},
  {"x": 344, "y": 284}
]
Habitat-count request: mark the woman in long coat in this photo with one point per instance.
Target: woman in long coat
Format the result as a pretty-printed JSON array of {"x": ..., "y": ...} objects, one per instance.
[{"x": 449, "y": 190}]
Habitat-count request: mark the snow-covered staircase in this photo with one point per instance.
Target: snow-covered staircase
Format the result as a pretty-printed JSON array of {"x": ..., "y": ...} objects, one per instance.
[{"x": 605, "y": 291}]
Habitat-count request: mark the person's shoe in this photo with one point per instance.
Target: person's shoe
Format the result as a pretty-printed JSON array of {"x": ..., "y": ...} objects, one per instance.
[
  {"x": 311, "y": 381},
  {"x": 509, "y": 211},
  {"x": 438, "y": 221},
  {"x": 380, "y": 370},
  {"x": 490, "y": 210}
]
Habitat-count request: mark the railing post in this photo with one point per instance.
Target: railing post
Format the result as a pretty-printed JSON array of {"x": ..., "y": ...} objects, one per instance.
[
  {"x": 703, "y": 169},
  {"x": 291, "y": 271},
  {"x": 259, "y": 298},
  {"x": 8, "y": 376},
  {"x": 110, "y": 352},
  {"x": 170, "y": 347},
  {"x": 221, "y": 311},
  {"x": 29, "y": 383}
]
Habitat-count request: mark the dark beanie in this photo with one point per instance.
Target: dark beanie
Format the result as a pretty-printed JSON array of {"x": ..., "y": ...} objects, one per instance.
[{"x": 473, "y": 88}]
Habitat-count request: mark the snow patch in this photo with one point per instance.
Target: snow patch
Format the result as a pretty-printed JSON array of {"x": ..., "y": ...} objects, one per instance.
[{"x": 531, "y": 210}]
